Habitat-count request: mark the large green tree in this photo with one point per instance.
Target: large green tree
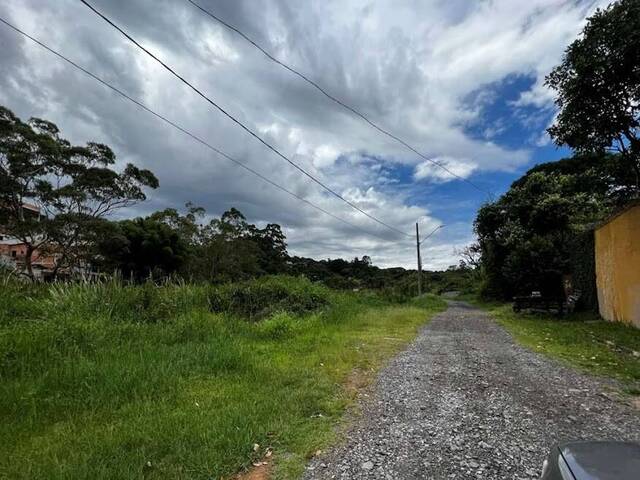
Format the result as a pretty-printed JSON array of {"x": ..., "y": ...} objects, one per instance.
[
  {"x": 528, "y": 237},
  {"x": 143, "y": 248},
  {"x": 227, "y": 248},
  {"x": 598, "y": 87},
  {"x": 74, "y": 188}
]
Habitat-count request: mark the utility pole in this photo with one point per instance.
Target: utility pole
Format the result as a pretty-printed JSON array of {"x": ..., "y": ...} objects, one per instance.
[
  {"x": 418, "y": 242},
  {"x": 419, "y": 260}
]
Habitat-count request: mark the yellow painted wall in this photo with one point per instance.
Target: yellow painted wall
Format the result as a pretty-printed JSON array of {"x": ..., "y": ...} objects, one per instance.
[{"x": 618, "y": 267}]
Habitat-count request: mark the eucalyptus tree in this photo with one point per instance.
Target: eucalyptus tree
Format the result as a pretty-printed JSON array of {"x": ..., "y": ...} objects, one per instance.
[{"x": 73, "y": 188}]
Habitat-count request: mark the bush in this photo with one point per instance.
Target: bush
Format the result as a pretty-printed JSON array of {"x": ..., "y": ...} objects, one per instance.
[
  {"x": 394, "y": 295},
  {"x": 257, "y": 299},
  {"x": 278, "y": 327}
]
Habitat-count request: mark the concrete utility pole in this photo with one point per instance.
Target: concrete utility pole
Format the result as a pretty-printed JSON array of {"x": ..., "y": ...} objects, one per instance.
[{"x": 419, "y": 260}]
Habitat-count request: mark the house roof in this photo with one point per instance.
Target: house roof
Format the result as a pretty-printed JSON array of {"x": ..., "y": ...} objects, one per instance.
[
  {"x": 30, "y": 206},
  {"x": 11, "y": 241}
]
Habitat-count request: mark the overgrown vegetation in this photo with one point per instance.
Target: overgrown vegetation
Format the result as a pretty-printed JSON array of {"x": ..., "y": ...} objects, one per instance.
[
  {"x": 582, "y": 340},
  {"x": 231, "y": 249},
  {"x": 529, "y": 237},
  {"x": 260, "y": 298},
  {"x": 108, "y": 380}
]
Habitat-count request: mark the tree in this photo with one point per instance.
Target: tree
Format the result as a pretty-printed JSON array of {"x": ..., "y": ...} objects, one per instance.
[
  {"x": 228, "y": 248},
  {"x": 72, "y": 187},
  {"x": 272, "y": 245},
  {"x": 470, "y": 256},
  {"x": 598, "y": 87},
  {"x": 143, "y": 247},
  {"x": 190, "y": 230},
  {"x": 187, "y": 225},
  {"x": 526, "y": 238}
]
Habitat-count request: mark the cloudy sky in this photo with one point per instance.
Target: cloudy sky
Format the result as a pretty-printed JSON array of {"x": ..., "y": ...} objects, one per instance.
[{"x": 460, "y": 80}]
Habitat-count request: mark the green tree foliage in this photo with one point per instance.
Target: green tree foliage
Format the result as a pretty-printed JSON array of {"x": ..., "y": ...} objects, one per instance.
[
  {"x": 526, "y": 237},
  {"x": 224, "y": 249},
  {"x": 272, "y": 248},
  {"x": 231, "y": 249},
  {"x": 143, "y": 248},
  {"x": 74, "y": 188},
  {"x": 228, "y": 248},
  {"x": 598, "y": 87}
]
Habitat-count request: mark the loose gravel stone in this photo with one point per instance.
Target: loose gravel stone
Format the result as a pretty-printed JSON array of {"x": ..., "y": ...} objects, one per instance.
[
  {"x": 464, "y": 401},
  {"x": 367, "y": 465}
]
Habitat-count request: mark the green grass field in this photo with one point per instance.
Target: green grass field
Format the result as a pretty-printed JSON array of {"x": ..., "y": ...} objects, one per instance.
[
  {"x": 106, "y": 381},
  {"x": 582, "y": 340}
]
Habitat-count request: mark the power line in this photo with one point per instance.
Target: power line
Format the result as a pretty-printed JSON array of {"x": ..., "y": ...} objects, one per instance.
[
  {"x": 331, "y": 97},
  {"x": 238, "y": 122},
  {"x": 431, "y": 234},
  {"x": 182, "y": 129}
]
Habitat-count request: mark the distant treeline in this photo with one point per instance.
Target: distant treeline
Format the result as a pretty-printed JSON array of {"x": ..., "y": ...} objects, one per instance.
[
  {"x": 230, "y": 249},
  {"x": 55, "y": 201}
]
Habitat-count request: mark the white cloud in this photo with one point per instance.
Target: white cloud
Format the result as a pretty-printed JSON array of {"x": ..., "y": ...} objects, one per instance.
[
  {"x": 410, "y": 66},
  {"x": 325, "y": 155},
  {"x": 430, "y": 171},
  {"x": 538, "y": 96}
]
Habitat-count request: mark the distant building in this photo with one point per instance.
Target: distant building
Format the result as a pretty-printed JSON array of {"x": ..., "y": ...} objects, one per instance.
[
  {"x": 13, "y": 252},
  {"x": 617, "y": 258},
  {"x": 13, "y": 256}
]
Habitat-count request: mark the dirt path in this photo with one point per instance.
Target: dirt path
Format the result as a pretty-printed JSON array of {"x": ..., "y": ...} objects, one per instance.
[{"x": 464, "y": 401}]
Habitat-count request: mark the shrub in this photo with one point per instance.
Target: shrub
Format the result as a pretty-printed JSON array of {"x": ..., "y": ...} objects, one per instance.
[
  {"x": 262, "y": 297},
  {"x": 394, "y": 295},
  {"x": 279, "y": 326}
]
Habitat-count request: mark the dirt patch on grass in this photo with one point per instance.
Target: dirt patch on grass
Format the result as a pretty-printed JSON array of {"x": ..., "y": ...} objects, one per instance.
[
  {"x": 260, "y": 471},
  {"x": 356, "y": 382}
]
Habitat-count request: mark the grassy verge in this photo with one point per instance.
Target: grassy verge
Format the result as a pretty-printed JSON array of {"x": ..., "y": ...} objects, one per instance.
[
  {"x": 582, "y": 340},
  {"x": 146, "y": 382}
]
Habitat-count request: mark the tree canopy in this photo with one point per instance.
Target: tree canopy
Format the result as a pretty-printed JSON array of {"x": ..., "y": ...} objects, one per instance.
[
  {"x": 142, "y": 248},
  {"x": 526, "y": 237},
  {"x": 598, "y": 87},
  {"x": 73, "y": 187}
]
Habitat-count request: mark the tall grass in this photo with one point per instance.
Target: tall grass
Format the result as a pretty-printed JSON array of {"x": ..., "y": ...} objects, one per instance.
[{"x": 115, "y": 381}]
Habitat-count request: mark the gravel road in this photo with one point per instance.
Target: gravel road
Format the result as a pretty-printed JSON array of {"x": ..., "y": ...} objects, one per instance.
[{"x": 464, "y": 401}]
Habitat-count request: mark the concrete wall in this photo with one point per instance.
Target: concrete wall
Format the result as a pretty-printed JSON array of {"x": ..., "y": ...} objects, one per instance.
[{"x": 618, "y": 267}]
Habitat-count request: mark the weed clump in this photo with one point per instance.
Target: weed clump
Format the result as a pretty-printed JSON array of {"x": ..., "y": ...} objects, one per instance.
[
  {"x": 258, "y": 299},
  {"x": 279, "y": 326}
]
